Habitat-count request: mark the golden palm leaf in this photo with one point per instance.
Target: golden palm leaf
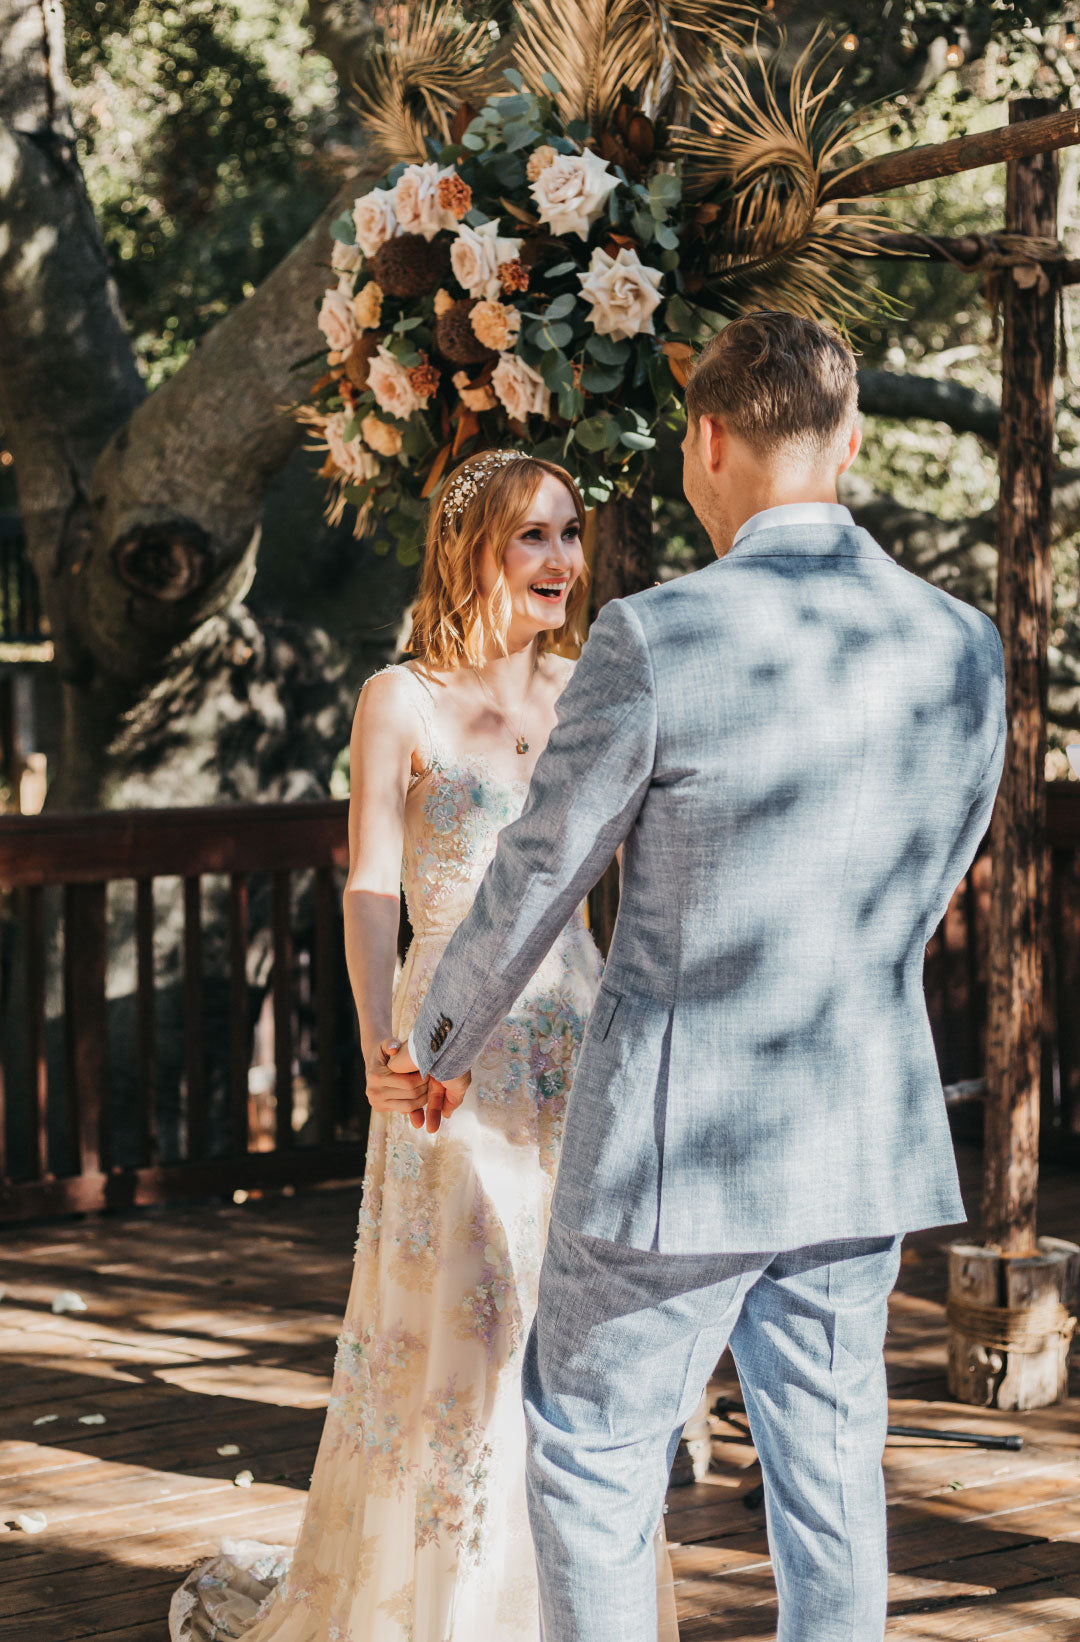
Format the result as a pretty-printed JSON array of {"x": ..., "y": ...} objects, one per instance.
[
  {"x": 429, "y": 61},
  {"x": 594, "y": 48},
  {"x": 762, "y": 158}
]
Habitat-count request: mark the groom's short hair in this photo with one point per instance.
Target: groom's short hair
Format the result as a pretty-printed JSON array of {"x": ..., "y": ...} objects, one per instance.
[{"x": 777, "y": 379}]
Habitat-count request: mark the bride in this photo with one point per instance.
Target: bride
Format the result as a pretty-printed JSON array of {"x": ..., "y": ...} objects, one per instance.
[{"x": 416, "y": 1527}]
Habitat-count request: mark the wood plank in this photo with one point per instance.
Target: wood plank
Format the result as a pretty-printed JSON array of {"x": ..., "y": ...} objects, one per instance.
[
  {"x": 93, "y": 846},
  {"x": 239, "y": 1026},
  {"x": 144, "y": 1018},
  {"x": 85, "y": 958},
  {"x": 326, "y": 962},
  {"x": 282, "y": 988},
  {"x": 194, "y": 1049}
]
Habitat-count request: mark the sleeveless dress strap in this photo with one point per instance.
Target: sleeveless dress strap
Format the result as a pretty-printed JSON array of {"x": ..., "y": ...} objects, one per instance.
[{"x": 425, "y": 708}]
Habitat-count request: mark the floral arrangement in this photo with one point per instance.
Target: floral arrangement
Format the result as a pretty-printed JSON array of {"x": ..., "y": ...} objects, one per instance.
[{"x": 537, "y": 271}]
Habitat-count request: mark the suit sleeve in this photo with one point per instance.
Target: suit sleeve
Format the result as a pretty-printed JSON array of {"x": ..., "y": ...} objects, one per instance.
[
  {"x": 982, "y": 805},
  {"x": 587, "y": 789}
]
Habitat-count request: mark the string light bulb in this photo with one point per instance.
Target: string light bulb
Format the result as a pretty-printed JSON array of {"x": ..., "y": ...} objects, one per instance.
[
  {"x": 850, "y": 42},
  {"x": 1070, "y": 42},
  {"x": 954, "y": 55}
]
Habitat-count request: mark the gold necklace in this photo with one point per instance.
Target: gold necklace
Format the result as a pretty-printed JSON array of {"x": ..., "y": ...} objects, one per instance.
[{"x": 520, "y": 743}]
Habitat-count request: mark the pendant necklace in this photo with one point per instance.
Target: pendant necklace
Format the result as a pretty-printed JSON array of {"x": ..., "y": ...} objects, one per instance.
[{"x": 520, "y": 744}]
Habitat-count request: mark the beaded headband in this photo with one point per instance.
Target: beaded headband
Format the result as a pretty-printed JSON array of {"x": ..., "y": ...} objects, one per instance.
[{"x": 470, "y": 481}]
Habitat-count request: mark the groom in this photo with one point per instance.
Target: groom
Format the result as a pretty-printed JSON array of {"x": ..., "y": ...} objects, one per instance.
[{"x": 798, "y": 747}]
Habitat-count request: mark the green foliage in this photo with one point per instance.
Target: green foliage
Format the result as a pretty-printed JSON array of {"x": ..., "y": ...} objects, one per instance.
[{"x": 198, "y": 124}]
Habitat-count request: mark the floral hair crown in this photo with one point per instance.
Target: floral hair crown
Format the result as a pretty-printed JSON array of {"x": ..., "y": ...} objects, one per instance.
[{"x": 470, "y": 481}]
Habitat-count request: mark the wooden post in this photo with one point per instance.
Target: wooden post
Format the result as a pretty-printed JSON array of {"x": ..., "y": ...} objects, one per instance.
[
  {"x": 1018, "y": 917},
  {"x": 1009, "y": 1301},
  {"x": 624, "y": 562}
]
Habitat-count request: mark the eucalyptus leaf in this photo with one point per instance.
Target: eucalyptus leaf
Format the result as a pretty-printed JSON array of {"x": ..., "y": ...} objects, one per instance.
[
  {"x": 560, "y": 306},
  {"x": 597, "y": 433},
  {"x": 669, "y": 261},
  {"x": 519, "y": 135},
  {"x": 473, "y": 141},
  {"x": 551, "y": 83},
  {"x": 598, "y": 380},
  {"x": 343, "y": 229},
  {"x": 643, "y": 226},
  {"x": 665, "y": 189},
  {"x": 666, "y": 237},
  {"x": 402, "y": 325},
  {"x": 408, "y": 554},
  {"x": 557, "y": 336},
  {"x": 350, "y": 429},
  {"x": 556, "y": 370},
  {"x": 607, "y": 350},
  {"x": 579, "y": 130},
  {"x": 514, "y": 76},
  {"x": 450, "y": 153},
  {"x": 637, "y": 441},
  {"x": 553, "y": 273}
]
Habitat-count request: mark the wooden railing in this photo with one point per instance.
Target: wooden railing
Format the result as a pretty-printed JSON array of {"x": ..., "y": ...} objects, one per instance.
[
  {"x": 111, "y": 916},
  {"x": 177, "y": 1018}
]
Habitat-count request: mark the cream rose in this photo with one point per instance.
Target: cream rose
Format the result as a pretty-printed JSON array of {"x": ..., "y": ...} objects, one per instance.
[
  {"x": 350, "y": 457},
  {"x": 416, "y": 200},
  {"x": 389, "y": 382},
  {"x": 336, "y": 321},
  {"x": 624, "y": 293},
  {"x": 345, "y": 259},
  {"x": 381, "y": 436},
  {"x": 520, "y": 389},
  {"x": 475, "y": 256},
  {"x": 570, "y": 193},
  {"x": 374, "y": 220}
]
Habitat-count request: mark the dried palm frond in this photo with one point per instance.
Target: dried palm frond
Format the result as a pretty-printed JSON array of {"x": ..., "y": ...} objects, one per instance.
[
  {"x": 598, "y": 50},
  {"x": 429, "y": 61},
  {"x": 762, "y": 161}
]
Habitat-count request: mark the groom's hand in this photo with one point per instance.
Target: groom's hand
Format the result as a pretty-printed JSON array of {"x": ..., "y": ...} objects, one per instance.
[{"x": 442, "y": 1099}]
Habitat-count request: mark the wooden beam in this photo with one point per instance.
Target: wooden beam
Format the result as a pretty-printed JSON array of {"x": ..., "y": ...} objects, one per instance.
[
  {"x": 1018, "y": 912},
  {"x": 1016, "y": 141},
  {"x": 962, "y": 250}
]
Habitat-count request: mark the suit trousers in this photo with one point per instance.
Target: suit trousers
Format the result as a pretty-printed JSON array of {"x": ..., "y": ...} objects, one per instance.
[{"x": 622, "y": 1347}]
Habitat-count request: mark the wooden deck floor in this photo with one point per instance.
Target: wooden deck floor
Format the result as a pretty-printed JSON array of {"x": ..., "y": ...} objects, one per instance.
[{"x": 208, "y": 1327}]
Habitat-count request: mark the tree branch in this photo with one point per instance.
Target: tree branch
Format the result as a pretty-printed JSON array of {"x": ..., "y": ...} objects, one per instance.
[{"x": 891, "y": 393}]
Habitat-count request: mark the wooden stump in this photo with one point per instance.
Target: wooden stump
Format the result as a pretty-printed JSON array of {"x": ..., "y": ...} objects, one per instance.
[{"x": 1011, "y": 1319}]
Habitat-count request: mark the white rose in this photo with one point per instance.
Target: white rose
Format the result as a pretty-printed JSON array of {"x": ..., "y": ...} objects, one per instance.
[
  {"x": 520, "y": 389},
  {"x": 389, "y": 382},
  {"x": 336, "y": 320},
  {"x": 571, "y": 191},
  {"x": 475, "y": 257},
  {"x": 345, "y": 259},
  {"x": 350, "y": 457},
  {"x": 374, "y": 220},
  {"x": 624, "y": 294},
  {"x": 416, "y": 200}
]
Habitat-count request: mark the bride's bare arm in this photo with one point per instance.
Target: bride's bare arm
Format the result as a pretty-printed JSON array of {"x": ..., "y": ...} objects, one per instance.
[{"x": 381, "y": 748}]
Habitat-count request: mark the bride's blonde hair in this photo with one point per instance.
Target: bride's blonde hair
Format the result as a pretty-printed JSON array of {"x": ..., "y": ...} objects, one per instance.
[{"x": 485, "y": 501}]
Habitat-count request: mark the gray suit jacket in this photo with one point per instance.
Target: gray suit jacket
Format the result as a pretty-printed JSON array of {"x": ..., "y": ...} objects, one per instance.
[{"x": 800, "y": 746}]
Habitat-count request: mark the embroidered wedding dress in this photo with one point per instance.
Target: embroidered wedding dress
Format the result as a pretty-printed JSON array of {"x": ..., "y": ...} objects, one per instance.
[{"x": 416, "y": 1527}]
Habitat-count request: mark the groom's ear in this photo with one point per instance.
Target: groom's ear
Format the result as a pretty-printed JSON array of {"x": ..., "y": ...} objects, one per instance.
[
  {"x": 713, "y": 444},
  {"x": 853, "y": 446}
]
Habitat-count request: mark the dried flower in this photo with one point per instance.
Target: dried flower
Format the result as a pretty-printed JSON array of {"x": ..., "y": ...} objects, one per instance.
[
  {"x": 571, "y": 192},
  {"x": 624, "y": 293},
  {"x": 455, "y": 195},
  {"x": 455, "y": 338},
  {"x": 474, "y": 399},
  {"x": 539, "y": 160},
  {"x": 367, "y": 306},
  {"x": 513, "y": 276},
  {"x": 348, "y": 455},
  {"x": 381, "y": 436},
  {"x": 443, "y": 302},
  {"x": 495, "y": 325},
  {"x": 408, "y": 265},
  {"x": 390, "y": 382},
  {"x": 336, "y": 320},
  {"x": 374, "y": 220},
  {"x": 423, "y": 379},
  {"x": 520, "y": 389},
  {"x": 475, "y": 256}
]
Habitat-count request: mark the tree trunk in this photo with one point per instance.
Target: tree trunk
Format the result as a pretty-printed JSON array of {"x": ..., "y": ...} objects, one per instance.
[
  {"x": 624, "y": 562},
  {"x": 1018, "y": 910}
]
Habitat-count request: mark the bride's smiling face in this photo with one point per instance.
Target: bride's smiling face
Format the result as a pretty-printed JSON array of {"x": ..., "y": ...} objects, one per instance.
[{"x": 541, "y": 561}]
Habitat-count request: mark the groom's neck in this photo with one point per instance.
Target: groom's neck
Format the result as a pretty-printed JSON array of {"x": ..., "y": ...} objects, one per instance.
[{"x": 743, "y": 501}]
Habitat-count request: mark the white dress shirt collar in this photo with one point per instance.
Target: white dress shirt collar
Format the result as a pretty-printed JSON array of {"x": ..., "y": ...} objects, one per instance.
[{"x": 796, "y": 513}]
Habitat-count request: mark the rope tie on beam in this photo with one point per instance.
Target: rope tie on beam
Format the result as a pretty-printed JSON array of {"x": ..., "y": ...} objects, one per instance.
[{"x": 1023, "y": 1329}]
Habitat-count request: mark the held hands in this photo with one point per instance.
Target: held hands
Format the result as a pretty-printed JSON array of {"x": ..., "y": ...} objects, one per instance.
[{"x": 395, "y": 1085}]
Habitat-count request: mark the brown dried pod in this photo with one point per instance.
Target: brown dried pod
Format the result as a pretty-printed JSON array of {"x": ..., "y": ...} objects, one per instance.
[
  {"x": 409, "y": 265},
  {"x": 359, "y": 358},
  {"x": 455, "y": 338}
]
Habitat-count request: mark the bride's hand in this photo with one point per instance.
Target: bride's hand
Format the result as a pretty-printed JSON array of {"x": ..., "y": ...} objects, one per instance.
[
  {"x": 443, "y": 1100},
  {"x": 393, "y": 1091}
]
